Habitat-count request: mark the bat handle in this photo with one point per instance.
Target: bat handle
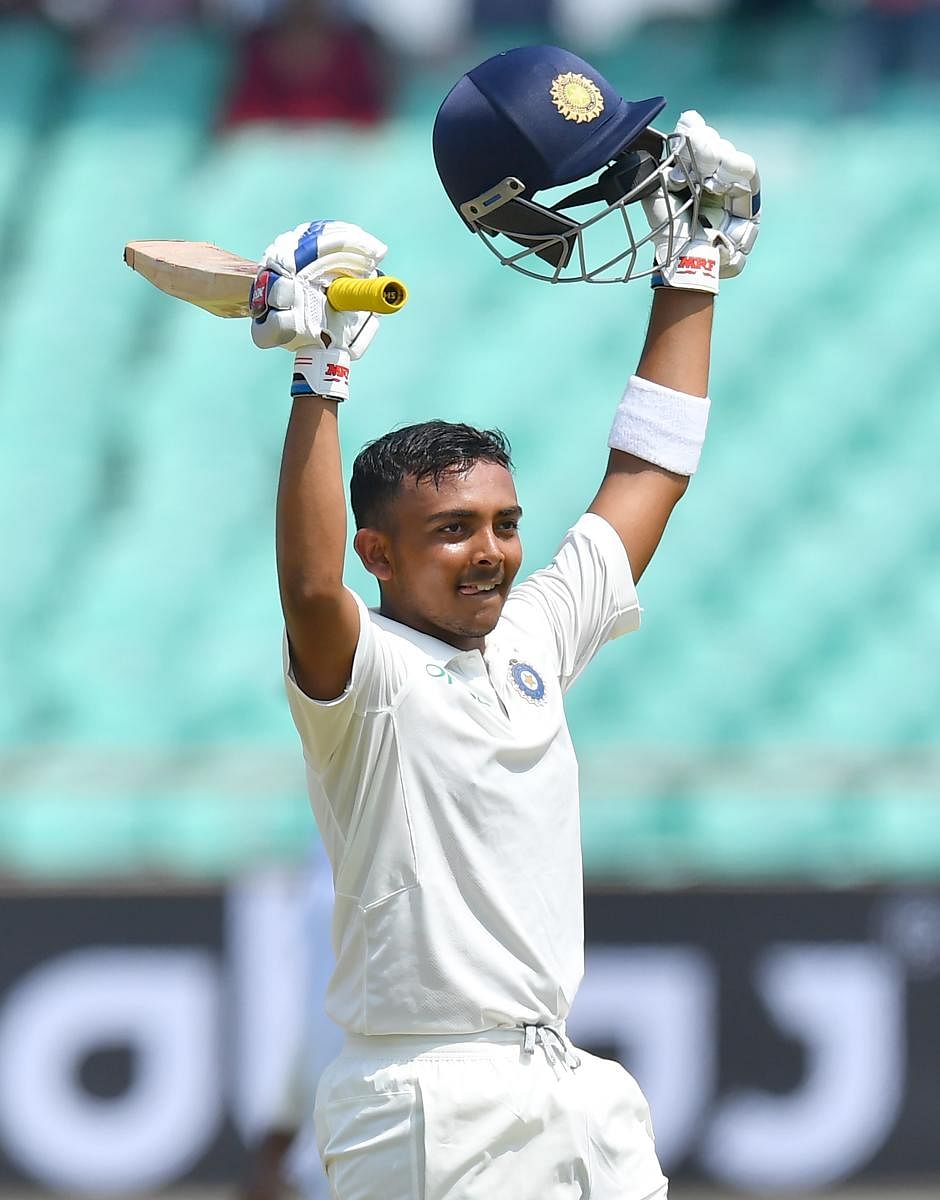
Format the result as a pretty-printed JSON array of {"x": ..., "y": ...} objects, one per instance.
[{"x": 380, "y": 295}]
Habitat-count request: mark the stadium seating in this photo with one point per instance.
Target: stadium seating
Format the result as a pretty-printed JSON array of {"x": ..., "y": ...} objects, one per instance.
[{"x": 791, "y": 618}]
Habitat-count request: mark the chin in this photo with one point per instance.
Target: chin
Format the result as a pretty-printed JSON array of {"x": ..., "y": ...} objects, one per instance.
[
  {"x": 479, "y": 628},
  {"x": 475, "y": 629}
]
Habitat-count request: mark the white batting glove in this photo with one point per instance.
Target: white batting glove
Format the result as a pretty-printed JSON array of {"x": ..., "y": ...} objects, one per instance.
[
  {"x": 290, "y": 309},
  {"x": 728, "y": 216}
]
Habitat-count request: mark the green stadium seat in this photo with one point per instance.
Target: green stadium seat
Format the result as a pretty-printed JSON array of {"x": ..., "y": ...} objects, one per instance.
[
  {"x": 34, "y": 67},
  {"x": 791, "y": 616}
]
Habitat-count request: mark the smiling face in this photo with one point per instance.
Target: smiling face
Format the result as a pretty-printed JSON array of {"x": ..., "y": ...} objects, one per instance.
[{"x": 447, "y": 554}]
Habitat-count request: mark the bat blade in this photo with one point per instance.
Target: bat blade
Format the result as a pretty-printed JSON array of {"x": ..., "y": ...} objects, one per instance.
[
  {"x": 197, "y": 272},
  {"x": 220, "y": 282}
]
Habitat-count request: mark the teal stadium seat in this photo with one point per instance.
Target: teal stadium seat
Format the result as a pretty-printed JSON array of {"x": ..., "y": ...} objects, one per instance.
[
  {"x": 112, "y": 164},
  {"x": 774, "y": 716},
  {"x": 34, "y": 68}
]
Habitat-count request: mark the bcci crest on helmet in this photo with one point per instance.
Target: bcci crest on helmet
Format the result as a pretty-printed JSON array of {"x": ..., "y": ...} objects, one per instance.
[
  {"x": 576, "y": 97},
  {"x": 537, "y": 118}
]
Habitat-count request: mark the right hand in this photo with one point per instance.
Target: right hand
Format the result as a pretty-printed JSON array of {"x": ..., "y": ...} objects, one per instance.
[{"x": 288, "y": 297}]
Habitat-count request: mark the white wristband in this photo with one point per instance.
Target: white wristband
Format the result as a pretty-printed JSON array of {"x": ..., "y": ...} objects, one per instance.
[
  {"x": 660, "y": 426},
  {"x": 319, "y": 372}
]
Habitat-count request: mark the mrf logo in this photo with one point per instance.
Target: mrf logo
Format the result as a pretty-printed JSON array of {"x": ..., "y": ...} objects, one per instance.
[
  {"x": 336, "y": 371},
  {"x": 689, "y": 264}
]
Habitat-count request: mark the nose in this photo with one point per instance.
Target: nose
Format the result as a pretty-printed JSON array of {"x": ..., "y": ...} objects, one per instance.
[{"x": 487, "y": 550}]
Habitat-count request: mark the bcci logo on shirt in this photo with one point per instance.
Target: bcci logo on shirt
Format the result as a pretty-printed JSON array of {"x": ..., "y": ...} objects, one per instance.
[{"x": 527, "y": 681}]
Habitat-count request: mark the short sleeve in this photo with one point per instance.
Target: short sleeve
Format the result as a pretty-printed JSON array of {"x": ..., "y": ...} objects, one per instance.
[
  {"x": 378, "y": 672},
  {"x": 585, "y": 597}
]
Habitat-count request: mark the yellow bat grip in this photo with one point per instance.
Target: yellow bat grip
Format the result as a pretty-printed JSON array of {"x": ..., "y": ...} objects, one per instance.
[{"x": 381, "y": 295}]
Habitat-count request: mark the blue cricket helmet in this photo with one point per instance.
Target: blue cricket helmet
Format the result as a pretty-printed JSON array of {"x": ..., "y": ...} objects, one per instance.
[{"x": 536, "y": 118}]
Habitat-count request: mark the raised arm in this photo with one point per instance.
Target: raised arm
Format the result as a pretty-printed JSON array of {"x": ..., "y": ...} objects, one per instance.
[
  {"x": 321, "y": 616},
  {"x": 660, "y": 425},
  {"x": 289, "y": 310},
  {"x": 637, "y": 497}
]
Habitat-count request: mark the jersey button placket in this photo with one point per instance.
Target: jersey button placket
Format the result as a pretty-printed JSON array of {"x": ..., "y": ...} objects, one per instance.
[{"x": 472, "y": 669}]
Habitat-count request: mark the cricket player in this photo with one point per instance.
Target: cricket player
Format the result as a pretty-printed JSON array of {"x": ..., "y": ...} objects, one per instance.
[{"x": 439, "y": 764}]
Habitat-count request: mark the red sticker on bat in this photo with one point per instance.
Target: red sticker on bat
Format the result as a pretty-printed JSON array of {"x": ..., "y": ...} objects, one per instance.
[{"x": 260, "y": 289}]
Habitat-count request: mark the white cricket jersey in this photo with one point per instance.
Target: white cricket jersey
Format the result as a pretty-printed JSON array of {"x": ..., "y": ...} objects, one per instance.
[{"x": 445, "y": 787}]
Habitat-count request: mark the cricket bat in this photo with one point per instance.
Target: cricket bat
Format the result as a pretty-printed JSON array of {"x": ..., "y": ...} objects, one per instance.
[{"x": 220, "y": 282}]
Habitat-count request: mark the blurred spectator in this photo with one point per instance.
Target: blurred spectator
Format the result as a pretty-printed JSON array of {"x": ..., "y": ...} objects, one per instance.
[
  {"x": 105, "y": 32},
  {"x": 11, "y": 8},
  {"x": 88, "y": 14},
  {"x": 601, "y": 24},
  {"x": 753, "y": 33},
  {"x": 889, "y": 39},
  {"x": 416, "y": 28},
  {"x": 491, "y": 14},
  {"x": 742, "y": 10},
  {"x": 308, "y": 64},
  {"x": 242, "y": 12}
]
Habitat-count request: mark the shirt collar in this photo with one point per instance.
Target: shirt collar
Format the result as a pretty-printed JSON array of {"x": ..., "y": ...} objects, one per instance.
[{"x": 440, "y": 652}]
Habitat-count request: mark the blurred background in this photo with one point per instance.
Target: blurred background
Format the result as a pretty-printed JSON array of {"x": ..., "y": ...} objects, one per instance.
[{"x": 760, "y": 764}]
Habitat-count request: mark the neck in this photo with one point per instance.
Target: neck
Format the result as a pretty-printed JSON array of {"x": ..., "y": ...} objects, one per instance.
[{"x": 460, "y": 641}]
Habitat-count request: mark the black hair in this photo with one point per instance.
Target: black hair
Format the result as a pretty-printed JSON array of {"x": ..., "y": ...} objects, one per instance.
[{"x": 431, "y": 450}]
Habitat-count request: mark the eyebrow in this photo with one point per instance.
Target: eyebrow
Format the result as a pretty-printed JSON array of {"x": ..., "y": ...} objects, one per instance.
[{"x": 451, "y": 513}]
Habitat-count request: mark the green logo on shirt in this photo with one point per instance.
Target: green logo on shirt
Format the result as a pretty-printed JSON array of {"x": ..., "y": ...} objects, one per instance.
[{"x": 437, "y": 672}]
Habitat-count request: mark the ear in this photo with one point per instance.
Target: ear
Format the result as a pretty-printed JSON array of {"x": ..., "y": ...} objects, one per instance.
[{"x": 372, "y": 547}]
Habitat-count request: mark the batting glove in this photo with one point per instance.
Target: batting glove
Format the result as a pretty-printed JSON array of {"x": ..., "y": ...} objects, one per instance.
[
  {"x": 728, "y": 215},
  {"x": 289, "y": 306}
]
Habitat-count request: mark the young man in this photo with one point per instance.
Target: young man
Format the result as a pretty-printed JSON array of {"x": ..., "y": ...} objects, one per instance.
[{"x": 439, "y": 764}]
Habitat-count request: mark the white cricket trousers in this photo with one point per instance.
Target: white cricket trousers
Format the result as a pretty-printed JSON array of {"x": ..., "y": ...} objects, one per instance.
[{"x": 510, "y": 1114}]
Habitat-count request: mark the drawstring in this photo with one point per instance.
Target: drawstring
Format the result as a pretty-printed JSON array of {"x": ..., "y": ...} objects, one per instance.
[{"x": 557, "y": 1050}]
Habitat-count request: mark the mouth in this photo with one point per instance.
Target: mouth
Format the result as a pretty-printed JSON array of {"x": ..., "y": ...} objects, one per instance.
[{"x": 479, "y": 589}]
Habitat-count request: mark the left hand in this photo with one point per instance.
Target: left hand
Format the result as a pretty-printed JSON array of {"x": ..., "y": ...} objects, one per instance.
[{"x": 729, "y": 209}]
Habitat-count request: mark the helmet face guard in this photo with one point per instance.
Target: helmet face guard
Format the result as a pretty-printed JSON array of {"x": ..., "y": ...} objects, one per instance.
[
  {"x": 529, "y": 122},
  {"x": 605, "y": 247}
]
